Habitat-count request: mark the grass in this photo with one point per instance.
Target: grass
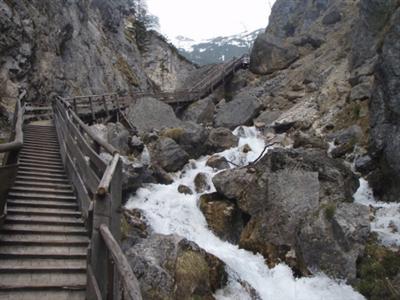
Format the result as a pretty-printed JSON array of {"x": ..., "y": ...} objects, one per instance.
[{"x": 376, "y": 271}]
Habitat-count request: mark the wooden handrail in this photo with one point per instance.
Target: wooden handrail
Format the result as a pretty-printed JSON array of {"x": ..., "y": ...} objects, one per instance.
[
  {"x": 130, "y": 283},
  {"x": 105, "y": 182}
]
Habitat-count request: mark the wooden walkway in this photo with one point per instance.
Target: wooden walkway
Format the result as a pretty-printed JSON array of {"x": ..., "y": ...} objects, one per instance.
[{"x": 43, "y": 242}]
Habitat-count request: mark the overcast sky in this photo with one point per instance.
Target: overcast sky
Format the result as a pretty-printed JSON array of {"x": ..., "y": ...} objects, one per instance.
[{"x": 201, "y": 19}]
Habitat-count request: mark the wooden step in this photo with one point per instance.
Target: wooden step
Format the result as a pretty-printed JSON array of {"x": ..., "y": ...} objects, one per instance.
[
  {"x": 41, "y": 203},
  {"x": 45, "y": 294},
  {"x": 39, "y": 196},
  {"x": 42, "y": 229},
  {"x": 43, "y": 238},
  {"x": 40, "y": 140},
  {"x": 40, "y": 174},
  {"x": 18, "y": 189},
  {"x": 39, "y": 158},
  {"x": 40, "y": 151},
  {"x": 37, "y": 154},
  {"x": 41, "y": 179},
  {"x": 19, "y": 240},
  {"x": 48, "y": 144},
  {"x": 38, "y": 281},
  {"x": 44, "y": 185},
  {"x": 43, "y": 263},
  {"x": 41, "y": 169},
  {"x": 34, "y": 163},
  {"x": 43, "y": 220},
  {"x": 43, "y": 212}
]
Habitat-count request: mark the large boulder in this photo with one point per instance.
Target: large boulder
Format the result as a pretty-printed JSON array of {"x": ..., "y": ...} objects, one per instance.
[
  {"x": 240, "y": 111},
  {"x": 149, "y": 113},
  {"x": 221, "y": 139},
  {"x": 119, "y": 137},
  {"x": 201, "y": 111},
  {"x": 270, "y": 54},
  {"x": 166, "y": 153},
  {"x": 171, "y": 267},
  {"x": 190, "y": 136},
  {"x": 281, "y": 192},
  {"x": 335, "y": 239}
]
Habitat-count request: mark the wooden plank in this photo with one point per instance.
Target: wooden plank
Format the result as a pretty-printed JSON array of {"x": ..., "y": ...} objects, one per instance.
[
  {"x": 92, "y": 109},
  {"x": 82, "y": 165},
  {"x": 87, "y": 150},
  {"x": 92, "y": 289},
  {"x": 129, "y": 280}
]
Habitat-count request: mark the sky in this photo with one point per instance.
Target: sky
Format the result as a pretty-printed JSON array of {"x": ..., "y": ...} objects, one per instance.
[{"x": 203, "y": 19}]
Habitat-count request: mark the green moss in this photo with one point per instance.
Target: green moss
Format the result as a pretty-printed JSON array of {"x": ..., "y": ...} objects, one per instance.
[
  {"x": 125, "y": 227},
  {"x": 376, "y": 270},
  {"x": 173, "y": 133},
  {"x": 329, "y": 211}
]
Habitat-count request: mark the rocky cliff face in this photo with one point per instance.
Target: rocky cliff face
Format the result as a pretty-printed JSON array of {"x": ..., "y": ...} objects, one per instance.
[
  {"x": 78, "y": 47},
  {"x": 332, "y": 64}
]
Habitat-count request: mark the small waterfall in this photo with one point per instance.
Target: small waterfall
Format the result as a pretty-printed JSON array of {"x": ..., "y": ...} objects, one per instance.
[{"x": 170, "y": 212}]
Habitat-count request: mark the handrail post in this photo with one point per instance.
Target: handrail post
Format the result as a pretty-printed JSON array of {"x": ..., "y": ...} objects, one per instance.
[
  {"x": 92, "y": 109},
  {"x": 75, "y": 105},
  {"x": 107, "y": 211}
]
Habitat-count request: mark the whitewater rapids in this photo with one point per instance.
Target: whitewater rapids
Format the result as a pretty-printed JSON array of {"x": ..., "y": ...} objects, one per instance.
[{"x": 170, "y": 212}]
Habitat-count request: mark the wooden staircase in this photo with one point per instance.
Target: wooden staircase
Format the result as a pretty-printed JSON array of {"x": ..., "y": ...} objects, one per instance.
[{"x": 43, "y": 242}]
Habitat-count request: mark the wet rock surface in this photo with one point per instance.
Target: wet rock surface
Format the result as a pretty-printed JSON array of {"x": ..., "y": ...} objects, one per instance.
[{"x": 171, "y": 267}]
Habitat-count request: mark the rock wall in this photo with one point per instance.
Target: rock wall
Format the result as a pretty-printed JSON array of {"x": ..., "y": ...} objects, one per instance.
[
  {"x": 329, "y": 65},
  {"x": 74, "y": 48}
]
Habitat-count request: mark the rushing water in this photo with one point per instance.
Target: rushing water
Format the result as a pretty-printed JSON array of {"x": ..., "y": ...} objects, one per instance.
[
  {"x": 170, "y": 212},
  {"x": 386, "y": 221}
]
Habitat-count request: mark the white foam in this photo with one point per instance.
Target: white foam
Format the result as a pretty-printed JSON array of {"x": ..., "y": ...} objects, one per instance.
[
  {"x": 386, "y": 222},
  {"x": 169, "y": 212}
]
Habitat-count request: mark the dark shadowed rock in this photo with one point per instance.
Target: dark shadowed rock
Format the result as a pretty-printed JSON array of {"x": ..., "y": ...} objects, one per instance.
[
  {"x": 364, "y": 164},
  {"x": 270, "y": 54},
  {"x": 201, "y": 183},
  {"x": 221, "y": 139},
  {"x": 240, "y": 111},
  {"x": 171, "y": 267},
  {"x": 223, "y": 217},
  {"x": 168, "y": 154},
  {"x": 149, "y": 113},
  {"x": 183, "y": 189},
  {"x": 218, "y": 162},
  {"x": 332, "y": 17},
  {"x": 201, "y": 111},
  {"x": 334, "y": 240},
  {"x": 268, "y": 117}
]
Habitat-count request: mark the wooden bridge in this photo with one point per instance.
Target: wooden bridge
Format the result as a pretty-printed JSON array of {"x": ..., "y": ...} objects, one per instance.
[
  {"x": 60, "y": 206},
  {"x": 105, "y": 105}
]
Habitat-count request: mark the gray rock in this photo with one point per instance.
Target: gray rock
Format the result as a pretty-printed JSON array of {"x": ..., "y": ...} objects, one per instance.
[
  {"x": 193, "y": 139},
  {"x": 218, "y": 162},
  {"x": 136, "y": 144},
  {"x": 361, "y": 91},
  {"x": 221, "y": 139},
  {"x": 364, "y": 164},
  {"x": 171, "y": 267},
  {"x": 201, "y": 183},
  {"x": 183, "y": 189},
  {"x": 385, "y": 108},
  {"x": 201, "y": 111},
  {"x": 268, "y": 117},
  {"x": 333, "y": 243},
  {"x": 271, "y": 54},
  {"x": 280, "y": 192},
  {"x": 332, "y": 17},
  {"x": 240, "y": 111},
  {"x": 168, "y": 154},
  {"x": 148, "y": 113},
  {"x": 119, "y": 137}
]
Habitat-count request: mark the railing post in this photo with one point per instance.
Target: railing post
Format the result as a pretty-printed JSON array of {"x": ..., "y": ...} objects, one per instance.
[
  {"x": 105, "y": 106},
  {"x": 75, "y": 106},
  {"x": 92, "y": 109},
  {"x": 106, "y": 211}
]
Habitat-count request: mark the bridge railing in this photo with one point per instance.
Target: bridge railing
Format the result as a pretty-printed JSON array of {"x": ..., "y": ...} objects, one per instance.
[
  {"x": 9, "y": 168},
  {"x": 97, "y": 179}
]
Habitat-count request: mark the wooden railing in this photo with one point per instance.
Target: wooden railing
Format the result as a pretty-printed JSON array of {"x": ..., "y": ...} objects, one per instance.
[
  {"x": 107, "y": 104},
  {"x": 98, "y": 185},
  {"x": 9, "y": 168}
]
